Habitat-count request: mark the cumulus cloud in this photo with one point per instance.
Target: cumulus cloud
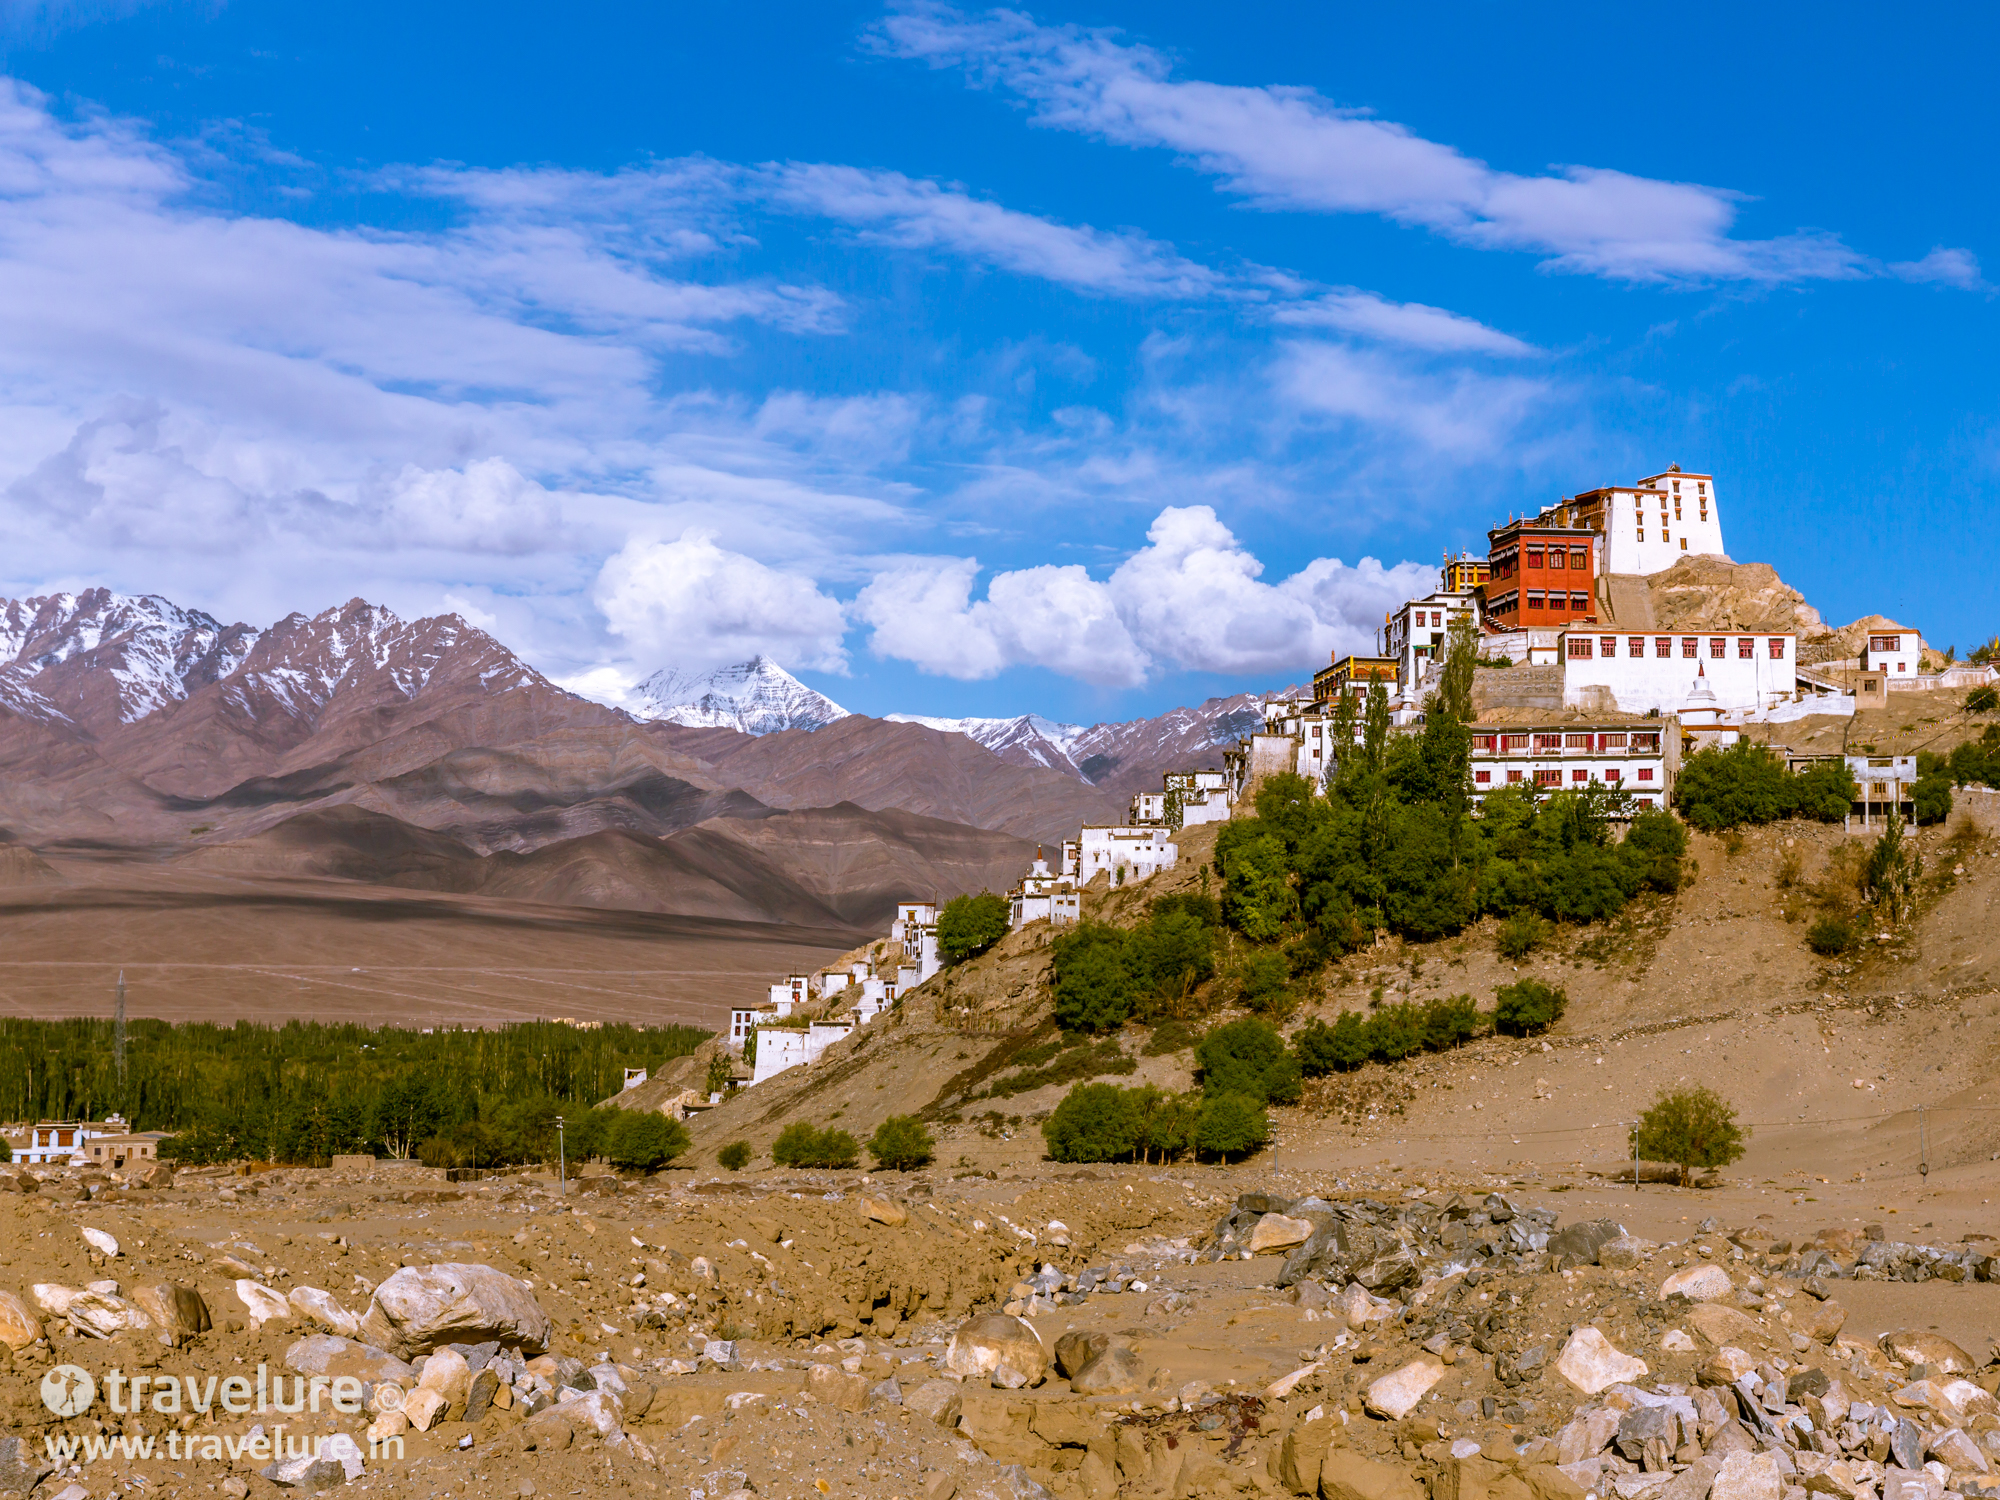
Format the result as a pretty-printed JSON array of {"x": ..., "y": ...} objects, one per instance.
[
  {"x": 1946, "y": 266},
  {"x": 1291, "y": 148},
  {"x": 692, "y": 604},
  {"x": 487, "y": 506},
  {"x": 1191, "y": 599}
]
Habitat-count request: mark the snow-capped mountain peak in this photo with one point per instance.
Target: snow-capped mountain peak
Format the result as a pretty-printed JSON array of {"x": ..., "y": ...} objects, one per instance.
[
  {"x": 757, "y": 697},
  {"x": 1031, "y": 739}
]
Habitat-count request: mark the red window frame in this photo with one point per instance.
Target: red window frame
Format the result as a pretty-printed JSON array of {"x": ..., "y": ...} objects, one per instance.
[{"x": 1777, "y": 645}]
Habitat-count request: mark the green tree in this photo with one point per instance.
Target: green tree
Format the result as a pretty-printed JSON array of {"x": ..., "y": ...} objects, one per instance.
[
  {"x": 1094, "y": 1122},
  {"x": 1375, "y": 728},
  {"x": 1171, "y": 953},
  {"x": 901, "y": 1144},
  {"x": 969, "y": 925},
  {"x": 1982, "y": 700},
  {"x": 801, "y": 1144},
  {"x": 1261, "y": 978},
  {"x": 1527, "y": 1008},
  {"x": 1932, "y": 798},
  {"x": 1727, "y": 788},
  {"x": 1230, "y": 1126},
  {"x": 719, "y": 1074},
  {"x": 1694, "y": 1128},
  {"x": 1519, "y": 935},
  {"x": 734, "y": 1157},
  {"x": 1094, "y": 987},
  {"x": 1248, "y": 1057},
  {"x": 1823, "y": 791},
  {"x": 1341, "y": 1047},
  {"x": 1163, "y": 1122},
  {"x": 644, "y": 1141},
  {"x": 1258, "y": 897}
]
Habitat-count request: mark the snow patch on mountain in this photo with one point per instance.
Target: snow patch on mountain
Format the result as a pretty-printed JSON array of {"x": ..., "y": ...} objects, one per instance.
[
  {"x": 757, "y": 697},
  {"x": 1031, "y": 739}
]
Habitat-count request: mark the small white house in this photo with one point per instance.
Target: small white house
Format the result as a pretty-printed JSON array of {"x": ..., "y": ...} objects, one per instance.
[
  {"x": 780, "y": 1048},
  {"x": 915, "y": 928},
  {"x": 1419, "y": 632},
  {"x": 1896, "y": 651},
  {"x": 1046, "y": 895},
  {"x": 1204, "y": 798},
  {"x": 1640, "y": 759},
  {"x": 62, "y": 1142},
  {"x": 1125, "y": 851}
]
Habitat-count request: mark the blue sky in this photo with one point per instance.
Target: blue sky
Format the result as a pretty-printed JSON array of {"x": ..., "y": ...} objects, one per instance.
[{"x": 1083, "y": 361}]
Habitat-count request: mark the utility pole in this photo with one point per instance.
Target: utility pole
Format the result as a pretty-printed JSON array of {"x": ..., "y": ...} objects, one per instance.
[{"x": 562, "y": 1158}]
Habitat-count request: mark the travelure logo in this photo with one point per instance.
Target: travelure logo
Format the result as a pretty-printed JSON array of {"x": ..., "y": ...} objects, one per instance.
[{"x": 68, "y": 1390}]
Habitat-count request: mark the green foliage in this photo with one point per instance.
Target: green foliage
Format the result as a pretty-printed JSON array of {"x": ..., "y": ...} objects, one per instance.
[
  {"x": 1258, "y": 897},
  {"x": 1261, "y": 978},
  {"x": 1976, "y": 762},
  {"x": 1519, "y": 934},
  {"x": 304, "y": 1091},
  {"x": 1248, "y": 1057},
  {"x": 1230, "y": 1126},
  {"x": 1889, "y": 878},
  {"x": 1339, "y": 1048},
  {"x": 1105, "y": 975},
  {"x": 901, "y": 1144},
  {"x": 6, "y": 1151},
  {"x": 969, "y": 925},
  {"x": 1527, "y": 1007},
  {"x": 1746, "y": 783},
  {"x": 1932, "y": 798},
  {"x": 1094, "y": 986},
  {"x": 1694, "y": 1128},
  {"x": 1062, "y": 1061},
  {"x": 1170, "y": 1036},
  {"x": 735, "y": 1156},
  {"x": 1832, "y": 936},
  {"x": 1094, "y": 1122},
  {"x": 644, "y": 1141},
  {"x": 1103, "y": 1122},
  {"x": 719, "y": 1074},
  {"x": 800, "y": 1144},
  {"x": 1983, "y": 700},
  {"x": 1203, "y": 907}
]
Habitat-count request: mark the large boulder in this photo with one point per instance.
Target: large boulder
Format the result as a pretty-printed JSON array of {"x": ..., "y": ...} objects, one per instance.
[
  {"x": 1396, "y": 1394},
  {"x": 1007, "y": 1351},
  {"x": 21, "y": 1465},
  {"x": 263, "y": 1304},
  {"x": 100, "y": 1315},
  {"x": 177, "y": 1311},
  {"x": 1748, "y": 1476},
  {"x": 1115, "y": 1372},
  {"x": 1277, "y": 1232},
  {"x": 420, "y": 1308},
  {"x": 1346, "y": 1475},
  {"x": 1703, "y": 1283},
  {"x": 1916, "y": 1346},
  {"x": 18, "y": 1327},
  {"x": 1578, "y": 1244}
]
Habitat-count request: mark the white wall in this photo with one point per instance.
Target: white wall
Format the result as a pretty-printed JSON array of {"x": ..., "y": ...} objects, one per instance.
[
  {"x": 1636, "y": 512},
  {"x": 1141, "y": 851},
  {"x": 1651, "y": 682},
  {"x": 1903, "y": 662}
]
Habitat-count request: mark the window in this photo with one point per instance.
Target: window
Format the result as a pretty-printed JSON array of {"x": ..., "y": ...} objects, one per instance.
[
  {"x": 1611, "y": 742},
  {"x": 1614, "y": 775},
  {"x": 1715, "y": 644},
  {"x": 1579, "y": 775},
  {"x": 1513, "y": 743},
  {"x": 1677, "y": 507},
  {"x": 1534, "y": 557},
  {"x": 1885, "y": 643},
  {"x": 1548, "y": 742},
  {"x": 1576, "y": 742},
  {"x": 1902, "y": 666},
  {"x": 1579, "y": 601},
  {"x": 1684, "y": 544},
  {"x": 1745, "y": 648},
  {"x": 1513, "y": 777},
  {"x": 1579, "y": 557},
  {"x": 1534, "y": 599},
  {"x": 1663, "y": 645},
  {"x": 1579, "y": 647},
  {"x": 1643, "y": 801},
  {"x": 1482, "y": 742},
  {"x": 1777, "y": 645},
  {"x": 1548, "y": 778},
  {"x": 1690, "y": 647},
  {"x": 1645, "y": 773},
  {"x": 1481, "y": 778},
  {"x": 1555, "y": 557},
  {"x": 1636, "y": 647},
  {"x": 1608, "y": 646},
  {"x": 1650, "y": 741}
]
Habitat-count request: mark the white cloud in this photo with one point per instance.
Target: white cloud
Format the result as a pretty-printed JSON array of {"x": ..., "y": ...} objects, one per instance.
[
  {"x": 1291, "y": 148},
  {"x": 487, "y": 506},
  {"x": 913, "y": 213},
  {"x": 1191, "y": 599},
  {"x": 1460, "y": 413},
  {"x": 1959, "y": 268},
  {"x": 1411, "y": 324},
  {"x": 691, "y": 604}
]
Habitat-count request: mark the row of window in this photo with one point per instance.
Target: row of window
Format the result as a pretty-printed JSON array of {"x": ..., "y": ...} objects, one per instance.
[
  {"x": 1541, "y": 599},
  {"x": 1582, "y": 646},
  {"x": 1602, "y": 742},
  {"x": 1578, "y": 777}
]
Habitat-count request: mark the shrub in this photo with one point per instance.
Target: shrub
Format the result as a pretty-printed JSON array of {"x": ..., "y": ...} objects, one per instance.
[
  {"x": 1451, "y": 1022},
  {"x": 7, "y": 1151},
  {"x": 1830, "y": 937},
  {"x": 1694, "y": 1128},
  {"x": 969, "y": 925},
  {"x": 644, "y": 1141},
  {"x": 1519, "y": 934},
  {"x": 735, "y": 1156},
  {"x": 1748, "y": 783},
  {"x": 1983, "y": 700},
  {"x": 1248, "y": 1057},
  {"x": 1655, "y": 847},
  {"x": 1395, "y": 1032},
  {"x": 1341, "y": 1047},
  {"x": 1093, "y": 980},
  {"x": 1932, "y": 798},
  {"x": 1230, "y": 1125},
  {"x": 901, "y": 1144},
  {"x": 801, "y": 1145},
  {"x": 1163, "y": 1122},
  {"x": 1170, "y": 953},
  {"x": 1170, "y": 1036},
  {"x": 1527, "y": 1007},
  {"x": 1203, "y": 907},
  {"x": 1094, "y": 1122},
  {"x": 1261, "y": 978},
  {"x": 719, "y": 1074}
]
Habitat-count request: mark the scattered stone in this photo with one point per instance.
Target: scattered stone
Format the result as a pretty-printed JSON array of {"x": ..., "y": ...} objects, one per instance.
[
  {"x": 1748, "y": 1476},
  {"x": 18, "y": 1327},
  {"x": 318, "y": 1309},
  {"x": 1004, "y": 1349},
  {"x": 21, "y": 1464},
  {"x": 1915, "y": 1346},
  {"x": 1703, "y": 1283},
  {"x": 1675, "y": 1341},
  {"x": 329, "y": 1354},
  {"x": 1579, "y": 1244},
  {"x": 1397, "y": 1393},
  {"x": 1115, "y": 1372},
  {"x": 100, "y": 1315},
  {"x": 1820, "y": 1321},
  {"x": 879, "y": 1211},
  {"x": 419, "y": 1309},
  {"x": 1590, "y": 1362},
  {"x": 1076, "y": 1349},
  {"x": 178, "y": 1312},
  {"x": 837, "y": 1388},
  {"x": 262, "y": 1304},
  {"x": 1346, "y": 1475},
  {"x": 101, "y": 1242},
  {"x": 1624, "y": 1252},
  {"x": 1277, "y": 1232}
]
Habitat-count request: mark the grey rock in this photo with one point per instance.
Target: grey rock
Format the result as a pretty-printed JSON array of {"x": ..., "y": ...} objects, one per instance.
[
  {"x": 21, "y": 1465},
  {"x": 1577, "y": 1244}
]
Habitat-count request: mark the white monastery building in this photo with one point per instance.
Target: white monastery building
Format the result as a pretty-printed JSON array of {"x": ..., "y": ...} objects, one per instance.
[
  {"x": 1045, "y": 895},
  {"x": 1657, "y": 672},
  {"x": 1650, "y": 526},
  {"x": 1638, "y": 759},
  {"x": 1204, "y": 798},
  {"x": 1418, "y": 632},
  {"x": 1126, "y": 851}
]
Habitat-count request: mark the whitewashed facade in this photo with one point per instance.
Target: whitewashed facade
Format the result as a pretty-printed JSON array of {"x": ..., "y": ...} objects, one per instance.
[
  {"x": 1572, "y": 754},
  {"x": 915, "y": 928},
  {"x": 1045, "y": 895},
  {"x": 1658, "y": 671},
  {"x": 1417, "y": 634},
  {"x": 1205, "y": 797},
  {"x": 1650, "y": 526},
  {"x": 1896, "y": 651},
  {"x": 1126, "y": 852},
  {"x": 780, "y": 1048}
]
